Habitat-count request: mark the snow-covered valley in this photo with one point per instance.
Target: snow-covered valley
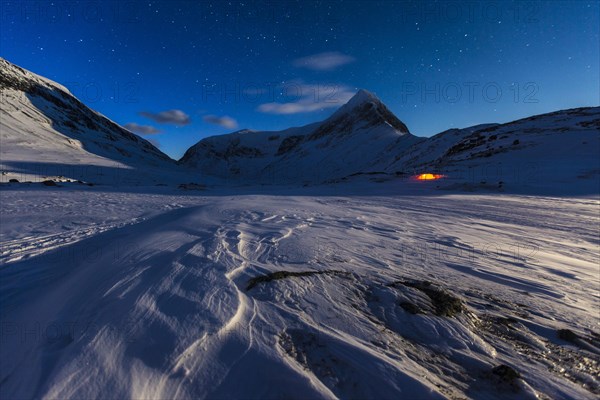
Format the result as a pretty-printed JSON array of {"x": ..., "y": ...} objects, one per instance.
[
  {"x": 403, "y": 293},
  {"x": 303, "y": 263}
]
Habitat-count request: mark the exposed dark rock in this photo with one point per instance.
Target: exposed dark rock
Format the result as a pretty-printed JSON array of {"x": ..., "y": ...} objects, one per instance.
[
  {"x": 590, "y": 124},
  {"x": 505, "y": 373},
  {"x": 410, "y": 308},
  {"x": 289, "y": 143},
  {"x": 191, "y": 186},
  {"x": 468, "y": 143},
  {"x": 445, "y": 304},
  {"x": 288, "y": 274},
  {"x": 568, "y": 335}
]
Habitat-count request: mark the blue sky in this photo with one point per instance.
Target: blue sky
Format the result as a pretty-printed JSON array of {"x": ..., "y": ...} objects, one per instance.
[{"x": 176, "y": 72}]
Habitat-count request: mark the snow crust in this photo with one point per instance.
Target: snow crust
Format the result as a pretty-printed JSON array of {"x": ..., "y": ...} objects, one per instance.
[{"x": 149, "y": 295}]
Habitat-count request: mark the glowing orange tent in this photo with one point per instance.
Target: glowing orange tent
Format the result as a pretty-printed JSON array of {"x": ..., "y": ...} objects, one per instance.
[{"x": 428, "y": 177}]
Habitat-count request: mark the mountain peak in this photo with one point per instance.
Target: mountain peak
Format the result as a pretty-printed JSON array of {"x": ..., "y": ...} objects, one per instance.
[
  {"x": 361, "y": 97},
  {"x": 365, "y": 106}
]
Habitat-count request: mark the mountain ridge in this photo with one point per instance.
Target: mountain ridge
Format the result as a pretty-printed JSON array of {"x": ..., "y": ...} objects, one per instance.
[
  {"x": 43, "y": 124},
  {"x": 35, "y": 85},
  {"x": 356, "y": 136},
  {"x": 47, "y": 131}
]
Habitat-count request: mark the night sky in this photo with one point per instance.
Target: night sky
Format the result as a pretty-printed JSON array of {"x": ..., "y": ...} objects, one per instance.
[{"x": 175, "y": 72}]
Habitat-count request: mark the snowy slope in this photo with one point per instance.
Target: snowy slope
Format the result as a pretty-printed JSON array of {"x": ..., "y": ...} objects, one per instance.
[
  {"x": 558, "y": 151},
  {"x": 388, "y": 296},
  {"x": 431, "y": 149},
  {"x": 46, "y": 131},
  {"x": 359, "y": 137}
]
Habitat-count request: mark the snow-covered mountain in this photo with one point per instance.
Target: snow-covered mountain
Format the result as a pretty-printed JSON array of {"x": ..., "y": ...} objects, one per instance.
[
  {"x": 46, "y": 131},
  {"x": 554, "y": 150},
  {"x": 363, "y": 135}
]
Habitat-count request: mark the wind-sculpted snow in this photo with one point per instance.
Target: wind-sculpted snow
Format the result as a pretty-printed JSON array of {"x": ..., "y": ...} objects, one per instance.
[{"x": 301, "y": 296}]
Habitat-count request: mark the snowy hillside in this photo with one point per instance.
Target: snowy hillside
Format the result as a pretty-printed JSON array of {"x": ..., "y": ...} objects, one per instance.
[
  {"x": 46, "y": 132},
  {"x": 426, "y": 152},
  {"x": 556, "y": 152},
  {"x": 361, "y": 136}
]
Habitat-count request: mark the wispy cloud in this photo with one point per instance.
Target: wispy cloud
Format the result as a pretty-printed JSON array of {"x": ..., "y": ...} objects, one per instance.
[
  {"x": 327, "y": 61},
  {"x": 174, "y": 117},
  {"x": 141, "y": 129},
  {"x": 225, "y": 121},
  {"x": 309, "y": 98}
]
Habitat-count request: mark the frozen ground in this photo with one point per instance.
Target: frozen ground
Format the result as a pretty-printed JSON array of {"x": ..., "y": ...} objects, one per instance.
[{"x": 323, "y": 292}]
